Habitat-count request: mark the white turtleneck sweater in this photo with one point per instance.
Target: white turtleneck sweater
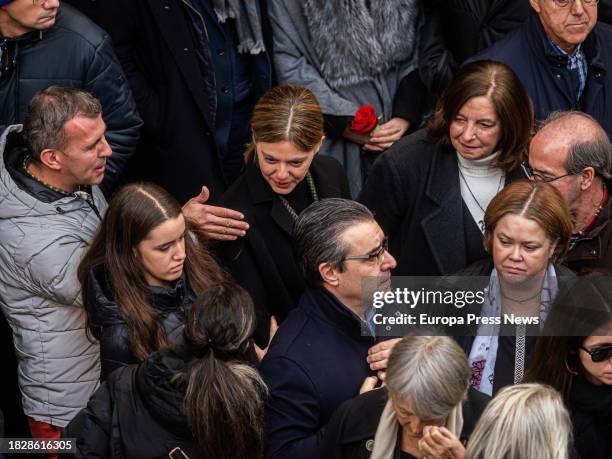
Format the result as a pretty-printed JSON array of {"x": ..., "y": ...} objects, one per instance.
[{"x": 483, "y": 180}]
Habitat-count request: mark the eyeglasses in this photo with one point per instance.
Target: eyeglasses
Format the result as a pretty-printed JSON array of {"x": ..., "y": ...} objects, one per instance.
[
  {"x": 539, "y": 177},
  {"x": 376, "y": 255},
  {"x": 566, "y": 3},
  {"x": 599, "y": 355}
]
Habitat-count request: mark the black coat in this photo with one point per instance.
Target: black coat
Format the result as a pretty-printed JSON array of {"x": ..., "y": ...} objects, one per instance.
[
  {"x": 77, "y": 53},
  {"x": 413, "y": 190},
  {"x": 478, "y": 23},
  {"x": 156, "y": 45},
  {"x": 504, "y": 364},
  {"x": 591, "y": 411},
  {"x": 593, "y": 250},
  {"x": 263, "y": 261},
  {"x": 351, "y": 431},
  {"x": 317, "y": 361},
  {"x": 137, "y": 413},
  {"x": 545, "y": 77},
  {"x": 111, "y": 329}
]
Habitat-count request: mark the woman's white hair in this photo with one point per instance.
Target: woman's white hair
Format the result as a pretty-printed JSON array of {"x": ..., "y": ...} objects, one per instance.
[
  {"x": 430, "y": 371},
  {"x": 522, "y": 422}
]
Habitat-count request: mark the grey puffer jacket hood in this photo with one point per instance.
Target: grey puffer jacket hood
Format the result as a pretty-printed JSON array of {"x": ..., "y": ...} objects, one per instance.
[{"x": 41, "y": 245}]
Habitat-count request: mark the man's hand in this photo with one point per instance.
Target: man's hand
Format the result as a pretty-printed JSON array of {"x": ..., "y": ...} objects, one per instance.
[
  {"x": 387, "y": 134},
  {"x": 217, "y": 222},
  {"x": 440, "y": 443},
  {"x": 261, "y": 353},
  {"x": 378, "y": 355}
]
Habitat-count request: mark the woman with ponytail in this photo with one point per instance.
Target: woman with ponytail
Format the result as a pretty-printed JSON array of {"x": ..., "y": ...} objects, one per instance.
[
  {"x": 199, "y": 399},
  {"x": 145, "y": 264}
]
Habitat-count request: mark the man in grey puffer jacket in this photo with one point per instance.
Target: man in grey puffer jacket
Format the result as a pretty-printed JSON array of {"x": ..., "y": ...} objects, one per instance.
[{"x": 50, "y": 207}]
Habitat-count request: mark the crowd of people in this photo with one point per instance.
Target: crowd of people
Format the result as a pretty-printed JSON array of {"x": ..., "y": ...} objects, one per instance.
[{"x": 198, "y": 199}]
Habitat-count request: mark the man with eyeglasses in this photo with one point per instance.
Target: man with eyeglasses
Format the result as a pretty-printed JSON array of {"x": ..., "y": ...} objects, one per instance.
[
  {"x": 324, "y": 351},
  {"x": 574, "y": 154},
  {"x": 563, "y": 57},
  {"x": 44, "y": 44}
]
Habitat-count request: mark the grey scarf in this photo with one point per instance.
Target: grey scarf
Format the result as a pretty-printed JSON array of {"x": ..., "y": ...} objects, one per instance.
[
  {"x": 356, "y": 40},
  {"x": 248, "y": 23}
]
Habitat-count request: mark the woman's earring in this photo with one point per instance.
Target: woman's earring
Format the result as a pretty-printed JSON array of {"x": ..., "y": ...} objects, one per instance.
[{"x": 569, "y": 369}]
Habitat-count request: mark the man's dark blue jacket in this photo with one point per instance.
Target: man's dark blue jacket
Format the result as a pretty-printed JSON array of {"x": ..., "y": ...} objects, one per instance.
[
  {"x": 545, "y": 75},
  {"x": 316, "y": 361}
]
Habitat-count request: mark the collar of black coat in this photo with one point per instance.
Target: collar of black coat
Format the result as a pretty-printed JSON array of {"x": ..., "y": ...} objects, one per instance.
[
  {"x": 102, "y": 307},
  {"x": 326, "y": 184},
  {"x": 361, "y": 415},
  {"x": 323, "y": 305},
  {"x": 591, "y": 46},
  {"x": 587, "y": 397}
]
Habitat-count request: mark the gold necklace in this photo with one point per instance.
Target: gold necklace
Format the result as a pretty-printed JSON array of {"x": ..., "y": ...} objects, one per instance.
[{"x": 26, "y": 163}]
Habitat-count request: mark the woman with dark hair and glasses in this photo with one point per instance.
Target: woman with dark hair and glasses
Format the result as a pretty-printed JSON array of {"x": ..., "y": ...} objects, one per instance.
[
  {"x": 575, "y": 357},
  {"x": 429, "y": 191}
]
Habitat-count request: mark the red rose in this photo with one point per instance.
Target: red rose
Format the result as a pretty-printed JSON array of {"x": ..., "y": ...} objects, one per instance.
[{"x": 365, "y": 120}]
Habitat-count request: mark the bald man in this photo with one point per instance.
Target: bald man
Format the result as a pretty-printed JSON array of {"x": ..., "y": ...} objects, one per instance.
[{"x": 573, "y": 153}]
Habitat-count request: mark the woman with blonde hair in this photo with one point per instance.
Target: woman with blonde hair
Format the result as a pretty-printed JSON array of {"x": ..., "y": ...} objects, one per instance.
[
  {"x": 283, "y": 176},
  {"x": 425, "y": 409},
  {"x": 525, "y": 421}
]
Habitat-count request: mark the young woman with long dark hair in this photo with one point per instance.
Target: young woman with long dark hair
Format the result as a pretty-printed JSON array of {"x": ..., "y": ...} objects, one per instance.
[
  {"x": 144, "y": 265},
  {"x": 199, "y": 399}
]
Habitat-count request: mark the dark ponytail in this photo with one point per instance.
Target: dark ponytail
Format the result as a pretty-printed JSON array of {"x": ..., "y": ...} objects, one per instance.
[{"x": 224, "y": 401}]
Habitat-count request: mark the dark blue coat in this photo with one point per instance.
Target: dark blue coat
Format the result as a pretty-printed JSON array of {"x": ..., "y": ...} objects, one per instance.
[
  {"x": 317, "y": 360},
  {"x": 545, "y": 76}
]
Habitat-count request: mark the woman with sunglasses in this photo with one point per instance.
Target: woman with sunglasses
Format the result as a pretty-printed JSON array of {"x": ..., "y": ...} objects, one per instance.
[
  {"x": 576, "y": 359},
  {"x": 429, "y": 191}
]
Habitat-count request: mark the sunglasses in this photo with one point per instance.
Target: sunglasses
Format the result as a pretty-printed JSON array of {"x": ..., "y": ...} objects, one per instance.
[{"x": 599, "y": 355}]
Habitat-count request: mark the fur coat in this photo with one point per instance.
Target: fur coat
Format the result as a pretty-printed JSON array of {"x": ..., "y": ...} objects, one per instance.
[{"x": 348, "y": 53}]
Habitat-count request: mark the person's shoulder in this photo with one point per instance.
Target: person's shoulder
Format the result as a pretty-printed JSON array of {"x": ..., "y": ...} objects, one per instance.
[
  {"x": 505, "y": 50},
  {"x": 74, "y": 23},
  {"x": 289, "y": 340},
  {"x": 413, "y": 149},
  {"x": 359, "y": 416},
  {"x": 603, "y": 29}
]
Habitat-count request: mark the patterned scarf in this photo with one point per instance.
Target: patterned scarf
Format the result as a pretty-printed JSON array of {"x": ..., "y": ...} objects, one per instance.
[
  {"x": 248, "y": 23},
  {"x": 483, "y": 354}
]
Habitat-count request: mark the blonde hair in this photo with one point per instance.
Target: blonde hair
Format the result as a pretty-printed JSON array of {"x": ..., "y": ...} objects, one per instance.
[
  {"x": 522, "y": 422},
  {"x": 287, "y": 113}
]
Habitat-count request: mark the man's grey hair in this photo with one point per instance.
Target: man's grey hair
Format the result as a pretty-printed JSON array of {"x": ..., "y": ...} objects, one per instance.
[
  {"x": 48, "y": 112},
  {"x": 430, "y": 371},
  {"x": 594, "y": 151},
  {"x": 318, "y": 235},
  {"x": 525, "y": 421}
]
